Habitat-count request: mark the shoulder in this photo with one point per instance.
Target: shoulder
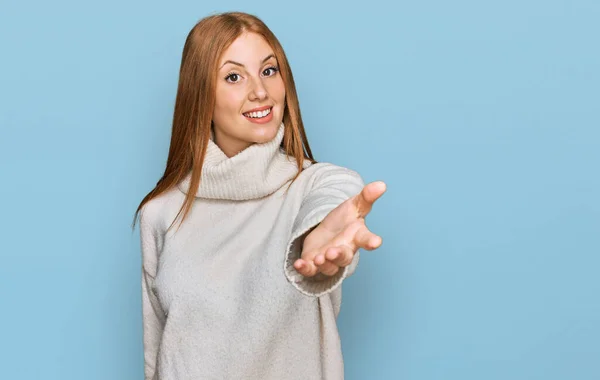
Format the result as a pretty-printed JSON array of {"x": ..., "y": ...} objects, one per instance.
[
  {"x": 325, "y": 175},
  {"x": 155, "y": 214},
  {"x": 323, "y": 170}
]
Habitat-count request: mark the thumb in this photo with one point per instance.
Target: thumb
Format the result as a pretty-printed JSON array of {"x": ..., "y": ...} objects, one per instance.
[{"x": 369, "y": 194}]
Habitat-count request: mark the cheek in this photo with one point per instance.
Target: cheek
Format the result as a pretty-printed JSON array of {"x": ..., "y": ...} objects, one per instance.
[
  {"x": 277, "y": 91},
  {"x": 227, "y": 102}
]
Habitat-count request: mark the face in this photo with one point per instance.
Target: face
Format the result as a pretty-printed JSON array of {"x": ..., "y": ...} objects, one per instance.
[{"x": 248, "y": 79}]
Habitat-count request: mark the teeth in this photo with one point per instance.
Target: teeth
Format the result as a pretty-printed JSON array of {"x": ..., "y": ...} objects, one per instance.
[{"x": 258, "y": 114}]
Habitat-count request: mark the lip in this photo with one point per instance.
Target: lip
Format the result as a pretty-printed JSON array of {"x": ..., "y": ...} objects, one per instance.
[
  {"x": 258, "y": 109},
  {"x": 262, "y": 120}
]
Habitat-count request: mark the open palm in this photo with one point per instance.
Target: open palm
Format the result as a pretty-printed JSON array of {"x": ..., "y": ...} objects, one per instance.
[{"x": 333, "y": 243}]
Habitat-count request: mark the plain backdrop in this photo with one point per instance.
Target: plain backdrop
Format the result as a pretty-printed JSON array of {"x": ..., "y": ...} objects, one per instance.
[{"x": 481, "y": 116}]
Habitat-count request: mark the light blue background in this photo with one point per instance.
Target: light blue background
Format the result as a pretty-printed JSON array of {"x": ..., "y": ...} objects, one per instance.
[{"x": 482, "y": 117}]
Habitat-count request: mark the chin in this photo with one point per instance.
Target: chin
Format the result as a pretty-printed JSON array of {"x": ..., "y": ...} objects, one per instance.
[
  {"x": 266, "y": 132},
  {"x": 267, "y": 136}
]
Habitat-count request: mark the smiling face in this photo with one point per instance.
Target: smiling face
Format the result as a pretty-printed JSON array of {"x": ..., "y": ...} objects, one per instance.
[{"x": 248, "y": 79}]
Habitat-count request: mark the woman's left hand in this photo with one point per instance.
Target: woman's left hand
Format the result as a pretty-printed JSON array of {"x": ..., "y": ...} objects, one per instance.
[{"x": 333, "y": 243}]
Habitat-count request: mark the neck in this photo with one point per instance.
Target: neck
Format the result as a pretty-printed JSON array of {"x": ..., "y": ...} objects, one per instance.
[
  {"x": 229, "y": 146},
  {"x": 255, "y": 172}
]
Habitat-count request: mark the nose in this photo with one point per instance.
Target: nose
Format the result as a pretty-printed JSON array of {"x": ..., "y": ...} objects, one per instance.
[{"x": 258, "y": 90}]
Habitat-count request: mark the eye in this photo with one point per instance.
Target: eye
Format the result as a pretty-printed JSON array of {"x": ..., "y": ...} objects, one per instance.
[
  {"x": 274, "y": 70},
  {"x": 234, "y": 76}
]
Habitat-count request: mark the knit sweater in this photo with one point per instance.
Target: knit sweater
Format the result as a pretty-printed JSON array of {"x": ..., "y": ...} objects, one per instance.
[{"x": 220, "y": 296}]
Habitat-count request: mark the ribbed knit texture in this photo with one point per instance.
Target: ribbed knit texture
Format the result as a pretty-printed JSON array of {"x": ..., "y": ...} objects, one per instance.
[
  {"x": 221, "y": 298},
  {"x": 255, "y": 172}
]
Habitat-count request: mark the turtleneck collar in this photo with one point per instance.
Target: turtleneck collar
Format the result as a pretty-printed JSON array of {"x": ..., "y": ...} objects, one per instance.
[{"x": 255, "y": 172}]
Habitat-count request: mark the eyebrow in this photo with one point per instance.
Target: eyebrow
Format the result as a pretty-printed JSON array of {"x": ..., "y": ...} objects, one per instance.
[{"x": 239, "y": 64}]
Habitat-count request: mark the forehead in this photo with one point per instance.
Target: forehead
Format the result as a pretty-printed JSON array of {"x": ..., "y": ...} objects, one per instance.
[{"x": 248, "y": 49}]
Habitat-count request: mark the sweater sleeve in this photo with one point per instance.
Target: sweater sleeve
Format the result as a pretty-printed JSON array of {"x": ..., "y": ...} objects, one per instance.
[
  {"x": 153, "y": 317},
  {"x": 332, "y": 186}
]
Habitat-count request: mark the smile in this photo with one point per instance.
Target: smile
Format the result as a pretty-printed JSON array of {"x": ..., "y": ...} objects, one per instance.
[
  {"x": 258, "y": 114},
  {"x": 260, "y": 117}
]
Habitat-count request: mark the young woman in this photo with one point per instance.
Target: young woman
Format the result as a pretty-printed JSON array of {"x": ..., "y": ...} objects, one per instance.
[{"x": 247, "y": 283}]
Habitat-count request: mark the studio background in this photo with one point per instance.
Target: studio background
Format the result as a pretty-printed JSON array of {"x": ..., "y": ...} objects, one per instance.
[{"x": 482, "y": 118}]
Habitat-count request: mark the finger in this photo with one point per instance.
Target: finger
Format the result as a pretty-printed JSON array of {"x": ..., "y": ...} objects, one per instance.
[
  {"x": 342, "y": 256},
  {"x": 331, "y": 252},
  {"x": 305, "y": 267},
  {"x": 327, "y": 267},
  {"x": 366, "y": 239},
  {"x": 369, "y": 194}
]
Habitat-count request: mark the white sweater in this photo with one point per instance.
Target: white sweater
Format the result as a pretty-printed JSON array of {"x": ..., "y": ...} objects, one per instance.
[{"x": 221, "y": 298}]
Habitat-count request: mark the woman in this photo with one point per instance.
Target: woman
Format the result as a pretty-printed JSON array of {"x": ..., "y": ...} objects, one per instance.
[{"x": 248, "y": 286}]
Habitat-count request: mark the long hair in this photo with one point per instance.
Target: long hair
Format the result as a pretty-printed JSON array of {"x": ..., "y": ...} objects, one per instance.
[{"x": 195, "y": 102}]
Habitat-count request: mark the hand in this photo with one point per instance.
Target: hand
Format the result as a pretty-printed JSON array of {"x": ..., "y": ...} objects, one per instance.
[{"x": 332, "y": 244}]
